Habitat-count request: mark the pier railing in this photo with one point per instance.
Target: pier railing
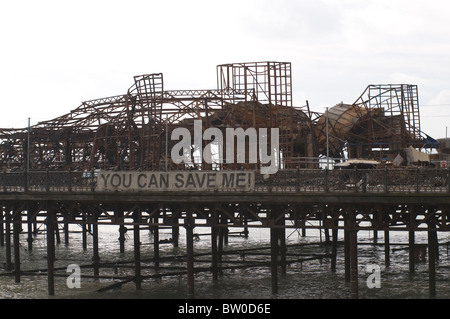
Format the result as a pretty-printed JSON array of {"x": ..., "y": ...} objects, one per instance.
[
  {"x": 285, "y": 181},
  {"x": 357, "y": 181}
]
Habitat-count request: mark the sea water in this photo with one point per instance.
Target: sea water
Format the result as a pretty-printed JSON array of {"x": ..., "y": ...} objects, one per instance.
[{"x": 303, "y": 279}]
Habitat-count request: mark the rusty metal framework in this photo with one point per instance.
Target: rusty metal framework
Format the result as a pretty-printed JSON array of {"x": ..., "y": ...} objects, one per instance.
[
  {"x": 396, "y": 100},
  {"x": 382, "y": 122},
  {"x": 271, "y": 81},
  {"x": 132, "y": 130}
]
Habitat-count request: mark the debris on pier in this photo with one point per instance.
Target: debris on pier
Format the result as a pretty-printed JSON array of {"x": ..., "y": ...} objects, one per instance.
[{"x": 129, "y": 131}]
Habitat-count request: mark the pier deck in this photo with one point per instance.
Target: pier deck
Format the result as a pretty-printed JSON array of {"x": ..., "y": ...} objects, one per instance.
[{"x": 379, "y": 200}]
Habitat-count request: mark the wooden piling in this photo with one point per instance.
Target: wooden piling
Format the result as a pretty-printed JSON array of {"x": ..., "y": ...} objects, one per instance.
[
  {"x": 226, "y": 236},
  {"x": 30, "y": 214},
  {"x": 137, "y": 249},
  {"x": 189, "y": 226},
  {"x": 35, "y": 227},
  {"x": 66, "y": 231},
  {"x": 346, "y": 251},
  {"x": 8, "y": 264},
  {"x": 432, "y": 247},
  {"x": 387, "y": 249},
  {"x": 351, "y": 251},
  {"x": 214, "y": 249},
  {"x": 245, "y": 225},
  {"x": 354, "y": 262},
  {"x": 411, "y": 248},
  {"x": 222, "y": 231},
  {"x": 274, "y": 259},
  {"x": 83, "y": 231},
  {"x": 334, "y": 235},
  {"x": 175, "y": 235},
  {"x": 96, "y": 256},
  {"x": 51, "y": 216},
  {"x": 30, "y": 238},
  {"x": 58, "y": 236},
  {"x": 434, "y": 236},
  {"x": 282, "y": 245},
  {"x": 156, "y": 244},
  {"x": 16, "y": 233},
  {"x": 122, "y": 231},
  {"x": 327, "y": 235}
]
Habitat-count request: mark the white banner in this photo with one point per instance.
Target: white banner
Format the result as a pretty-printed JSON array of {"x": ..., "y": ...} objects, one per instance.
[{"x": 192, "y": 181}]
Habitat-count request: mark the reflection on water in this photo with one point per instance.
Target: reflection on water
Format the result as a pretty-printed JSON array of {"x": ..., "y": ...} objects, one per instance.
[{"x": 307, "y": 279}]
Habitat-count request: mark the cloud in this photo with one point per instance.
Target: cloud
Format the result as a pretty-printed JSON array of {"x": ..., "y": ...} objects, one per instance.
[
  {"x": 441, "y": 99},
  {"x": 57, "y": 54}
]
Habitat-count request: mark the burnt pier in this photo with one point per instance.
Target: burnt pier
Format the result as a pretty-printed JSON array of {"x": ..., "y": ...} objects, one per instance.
[
  {"x": 236, "y": 156},
  {"x": 291, "y": 199}
]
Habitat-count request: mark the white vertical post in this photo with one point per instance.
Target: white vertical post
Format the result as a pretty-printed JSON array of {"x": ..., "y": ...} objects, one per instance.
[{"x": 28, "y": 145}]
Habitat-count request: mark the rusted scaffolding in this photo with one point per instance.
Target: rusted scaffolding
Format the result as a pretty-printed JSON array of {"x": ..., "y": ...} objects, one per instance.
[
  {"x": 132, "y": 130},
  {"x": 382, "y": 122},
  {"x": 271, "y": 83}
]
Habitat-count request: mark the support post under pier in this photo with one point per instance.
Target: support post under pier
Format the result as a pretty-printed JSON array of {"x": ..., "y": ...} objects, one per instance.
[
  {"x": 189, "y": 225},
  {"x": 51, "y": 217}
]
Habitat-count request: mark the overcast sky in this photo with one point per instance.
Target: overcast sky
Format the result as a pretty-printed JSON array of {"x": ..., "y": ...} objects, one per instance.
[{"x": 56, "y": 54}]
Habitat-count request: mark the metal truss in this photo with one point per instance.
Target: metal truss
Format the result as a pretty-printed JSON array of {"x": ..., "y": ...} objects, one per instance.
[
  {"x": 130, "y": 131},
  {"x": 382, "y": 122}
]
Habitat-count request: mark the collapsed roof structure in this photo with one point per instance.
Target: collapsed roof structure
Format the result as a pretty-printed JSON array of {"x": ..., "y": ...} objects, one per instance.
[
  {"x": 130, "y": 131},
  {"x": 382, "y": 122}
]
